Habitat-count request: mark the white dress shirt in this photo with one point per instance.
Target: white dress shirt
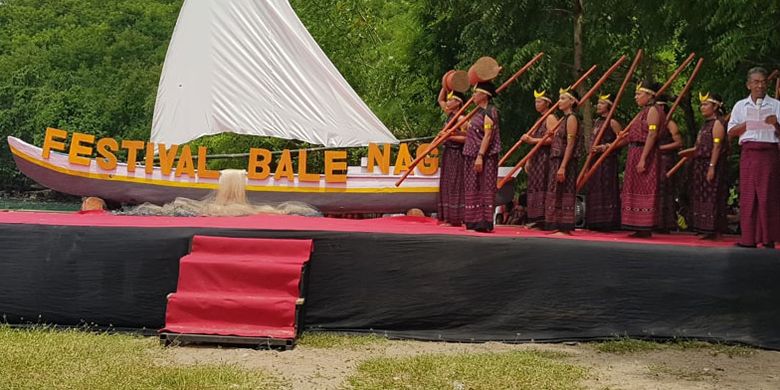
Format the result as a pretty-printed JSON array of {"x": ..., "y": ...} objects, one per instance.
[{"x": 739, "y": 116}]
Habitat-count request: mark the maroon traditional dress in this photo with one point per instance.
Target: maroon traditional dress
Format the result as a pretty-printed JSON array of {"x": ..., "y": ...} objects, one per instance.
[
  {"x": 640, "y": 200},
  {"x": 759, "y": 193},
  {"x": 602, "y": 209},
  {"x": 537, "y": 178},
  {"x": 452, "y": 198},
  {"x": 708, "y": 199},
  {"x": 480, "y": 187},
  {"x": 560, "y": 202},
  {"x": 667, "y": 212}
]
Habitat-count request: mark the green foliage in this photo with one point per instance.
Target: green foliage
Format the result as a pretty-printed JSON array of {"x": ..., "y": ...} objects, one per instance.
[
  {"x": 85, "y": 65},
  {"x": 94, "y": 66}
]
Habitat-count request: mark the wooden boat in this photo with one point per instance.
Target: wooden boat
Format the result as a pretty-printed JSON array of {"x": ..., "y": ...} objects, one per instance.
[{"x": 362, "y": 193}]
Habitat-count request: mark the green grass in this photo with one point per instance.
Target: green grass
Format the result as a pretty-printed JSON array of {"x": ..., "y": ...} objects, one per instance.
[
  {"x": 629, "y": 345},
  {"x": 71, "y": 359},
  {"x": 324, "y": 340},
  {"x": 511, "y": 370},
  {"x": 662, "y": 369}
]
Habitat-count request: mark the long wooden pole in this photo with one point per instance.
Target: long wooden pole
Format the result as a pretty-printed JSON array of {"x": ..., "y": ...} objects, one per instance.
[
  {"x": 449, "y": 129},
  {"x": 550, "y": 132},
  {"x": 544, "y": 116},
  {"x": 676, "y": 167},
  {"x": 685, "y": 90},
  {"x": 686, "y": 155},
  {"x": 624, "y": 132},
  {"x": 610, "y": 115}
]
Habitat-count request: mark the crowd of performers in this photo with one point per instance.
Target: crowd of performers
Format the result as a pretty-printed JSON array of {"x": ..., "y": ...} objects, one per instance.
[{"x": 645, "y": 203}]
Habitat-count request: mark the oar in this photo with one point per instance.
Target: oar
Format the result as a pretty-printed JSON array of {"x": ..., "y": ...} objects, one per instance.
[
  {"x": 624, "y": 132},
  {"x": 550, "y": 132},
  {"x": 544, "y": 116},
  {"x": 450, "y": 128},
  {"x": 606, "y": 124}
]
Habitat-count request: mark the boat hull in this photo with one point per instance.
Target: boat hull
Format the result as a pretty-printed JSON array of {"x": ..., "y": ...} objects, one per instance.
[{"x": 363, "y": 192}]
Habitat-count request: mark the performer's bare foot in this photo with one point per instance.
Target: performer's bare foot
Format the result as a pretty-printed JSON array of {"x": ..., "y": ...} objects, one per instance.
[
  {"x": 561, "y": 233},
  {"x": 445, "y": 224},
  {"x": 641, "y": 234}
]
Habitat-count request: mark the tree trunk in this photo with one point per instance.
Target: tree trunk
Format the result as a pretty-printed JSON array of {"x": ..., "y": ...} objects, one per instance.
[
  {"x": 586, "y": 109},
  {"x": 690, "y": 121}
]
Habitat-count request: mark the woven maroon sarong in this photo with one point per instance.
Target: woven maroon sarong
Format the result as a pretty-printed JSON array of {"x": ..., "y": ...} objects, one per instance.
[
  {"x": 759, "y": 193},
  {"x": 537, "y": 170},
  {"x": 480, "y": 190},
  {"x": 602, "y": 210},
  {"x": 452, "y": 198},
  {"x": 708, "y": 199},
  {"x": 640, "y": 197},
  {"x": 561, "y": 197}
]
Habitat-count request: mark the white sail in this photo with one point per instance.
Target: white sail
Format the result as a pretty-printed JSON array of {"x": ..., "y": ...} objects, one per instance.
[{"x": 251, "y": 67}]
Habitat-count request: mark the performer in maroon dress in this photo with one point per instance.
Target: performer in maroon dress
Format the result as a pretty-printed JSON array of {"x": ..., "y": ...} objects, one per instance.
[
  {"x": 452, "y": 198},
  {"x": 565, "y": 148},
  {"x": 754, "y": 121},
  {"x": 669, "y": 143},
  {"x": 603, "y": 201},
  {"x": 709, "y": 185},
  {"x": 537, "y": 167},
  {"x": 480, "y": 167},
  {"x": 640, "y": 181}
]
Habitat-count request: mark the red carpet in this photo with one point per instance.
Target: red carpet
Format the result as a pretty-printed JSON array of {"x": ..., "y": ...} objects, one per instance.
[
  {"x": 396, "y": 225},
  {"x": 238, "y": 287}
]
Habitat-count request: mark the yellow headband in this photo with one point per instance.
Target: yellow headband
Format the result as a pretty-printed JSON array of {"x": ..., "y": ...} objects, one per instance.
[
  {"x": 640, "y": 88},
  {"x": 541, "y": 95},
  {"x": 606, "y": 98},
  {"x": 707, "y": 98},
  {"x": 483, "y": 91},
  {"x": 567, "y": 92},
  {"x": 451, "y": 96}
]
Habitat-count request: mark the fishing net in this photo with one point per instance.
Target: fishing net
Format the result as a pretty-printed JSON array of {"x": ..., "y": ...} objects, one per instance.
[{"x": 229, "y": 200}]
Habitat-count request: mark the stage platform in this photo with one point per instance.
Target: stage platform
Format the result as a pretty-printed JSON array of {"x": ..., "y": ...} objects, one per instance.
[{"x": 405, "y": 277}]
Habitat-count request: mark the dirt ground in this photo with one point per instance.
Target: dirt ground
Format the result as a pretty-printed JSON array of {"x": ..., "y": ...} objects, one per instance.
[{"x": 307, "y": 367}]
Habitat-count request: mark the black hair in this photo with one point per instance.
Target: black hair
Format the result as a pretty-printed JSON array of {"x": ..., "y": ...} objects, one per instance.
[
  {"x": 721, "y": 111},
  {"x": 650, "y": 84},
  {"x": 459, "y": 95},
  {"x": 576, "y": 95}
]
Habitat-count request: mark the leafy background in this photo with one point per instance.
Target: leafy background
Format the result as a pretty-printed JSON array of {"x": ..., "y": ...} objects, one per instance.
[{"x": 93, "y": 66}]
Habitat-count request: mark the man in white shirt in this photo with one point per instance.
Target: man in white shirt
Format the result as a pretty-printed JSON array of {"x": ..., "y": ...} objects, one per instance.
[{"x": 754, "y": 121}]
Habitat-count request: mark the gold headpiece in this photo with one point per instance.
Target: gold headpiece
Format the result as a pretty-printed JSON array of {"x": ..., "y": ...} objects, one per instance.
[
  {"x": 606, "y": 98},
  {"x": 707, "y": 98},
  {"x": 567, "y": 91},
  {"x": 541, "y": 95},
  {"x": 640, "y": 88}
]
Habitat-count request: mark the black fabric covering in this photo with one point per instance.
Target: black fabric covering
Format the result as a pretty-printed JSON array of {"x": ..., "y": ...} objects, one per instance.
[{"x": 412, "y": 286}]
